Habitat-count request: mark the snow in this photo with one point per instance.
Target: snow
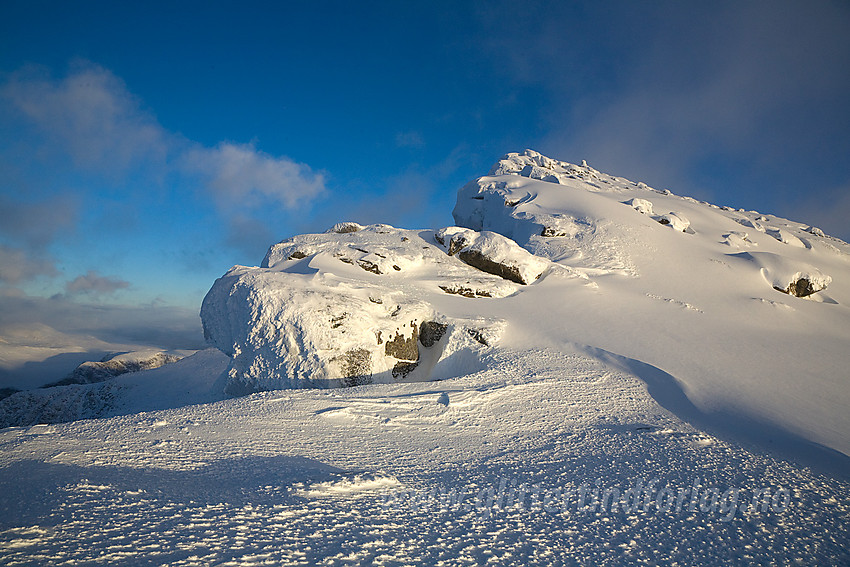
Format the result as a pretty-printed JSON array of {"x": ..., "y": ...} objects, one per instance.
[
  {"x": 735, "y": 351},
  {"x": 34, "y": 355},
  {"x": 340, "y": 309},
  {"x": 643, "y": 396}
]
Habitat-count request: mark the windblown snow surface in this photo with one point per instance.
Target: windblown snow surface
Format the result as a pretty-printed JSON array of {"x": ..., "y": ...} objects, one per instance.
[{"x": 660, "y": 382}]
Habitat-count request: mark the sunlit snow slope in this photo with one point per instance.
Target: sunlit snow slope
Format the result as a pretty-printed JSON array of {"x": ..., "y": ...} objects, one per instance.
[{"x": 685, "y": 286}]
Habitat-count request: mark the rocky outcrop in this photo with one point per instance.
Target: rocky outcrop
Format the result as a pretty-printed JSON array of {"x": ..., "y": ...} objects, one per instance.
[
  {"x": 492, "y": 253},
  {"x": 791, "y": 277},
  {"x": 803, "y": 285},
  {"x": 338, "y": 308},
  {"x": 431, "y": 333},
  {"x": 115, "y": 365}
]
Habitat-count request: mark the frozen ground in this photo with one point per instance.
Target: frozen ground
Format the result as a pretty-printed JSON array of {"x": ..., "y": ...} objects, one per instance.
[{"x": 649, "y": 398}]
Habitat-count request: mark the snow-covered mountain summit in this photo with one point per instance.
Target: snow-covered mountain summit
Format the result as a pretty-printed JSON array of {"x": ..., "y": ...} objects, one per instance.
[
  {"x": 585, "y": 370},
  {"x": 737, "y": 321},
  {"x": 747, "y": 311}
]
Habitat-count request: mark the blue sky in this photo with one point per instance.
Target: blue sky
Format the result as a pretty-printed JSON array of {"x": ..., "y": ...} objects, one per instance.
[{"x": 147, "y": 147}]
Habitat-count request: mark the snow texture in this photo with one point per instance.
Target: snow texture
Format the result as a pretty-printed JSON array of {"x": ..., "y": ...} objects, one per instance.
[{"x": 593, "y": 387}]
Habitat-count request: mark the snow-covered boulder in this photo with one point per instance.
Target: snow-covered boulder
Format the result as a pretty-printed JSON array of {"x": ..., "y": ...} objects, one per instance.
[
  {"x": 640, "y": 205},
  {"x": 785, "y": 237},
  {"x": 492, "y": 253},
  {"x": 344, "y": 227},
  {"x": 288, "y": 330},
  {"x": 533, "y": 165},
  {"x": 345, "y": 308},
  {"x": 676, "y": 221},
  {"x": 791, "y": 277}
]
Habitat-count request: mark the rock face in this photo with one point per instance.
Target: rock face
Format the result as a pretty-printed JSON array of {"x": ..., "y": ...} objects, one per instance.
[
  {"x": 341, "y": 308},
  {"x": 115, "y": 365}
]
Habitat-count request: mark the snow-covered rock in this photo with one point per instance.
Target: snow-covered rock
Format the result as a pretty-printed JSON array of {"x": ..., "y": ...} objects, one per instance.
[
  {"x": 794, "y": 278},
  {"x": 344, "y": 227},
  {"x": 640, "y": 205},
  {"x": 344, "y": 308},
  {"x": 676, "y": 221},
  {"x": 546, "y": 253},
  {"x": 492, "y": 253},
  {"x": 707, "y": 268},
  {"x": 115, "y": 365}
]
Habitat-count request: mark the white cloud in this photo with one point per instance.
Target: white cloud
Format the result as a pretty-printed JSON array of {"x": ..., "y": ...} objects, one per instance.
[
  {"x": 240, "y": 174},
  {"x": 93, "y": 283},
  {"x": 91, "y": 116}
]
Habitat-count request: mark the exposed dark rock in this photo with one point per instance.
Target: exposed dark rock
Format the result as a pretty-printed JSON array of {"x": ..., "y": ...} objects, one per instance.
[
  {"x": 357, "y": 367},
  {"x": 404, "y": 348},
  {"x": 431, "y": 332},
  {"x": 478, "y": 260},
  {"x": 800, "y": 288},
  {"x": 478, "y": 336},
  {"x": 457, "y": 243},
  {"x": 465, "y": 291},
  {"x": 550, "y": 232},
  {"x": 403, "y": 368},
  {"x": 369, "y": 266}
]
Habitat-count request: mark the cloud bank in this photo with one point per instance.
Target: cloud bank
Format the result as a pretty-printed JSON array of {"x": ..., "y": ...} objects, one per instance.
[
  {"x": 17, "y": 266},
  {"x": 91, "y": 120},
  {"x": 87, "y": 126},
  {"x": 240, "y": 175}
]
